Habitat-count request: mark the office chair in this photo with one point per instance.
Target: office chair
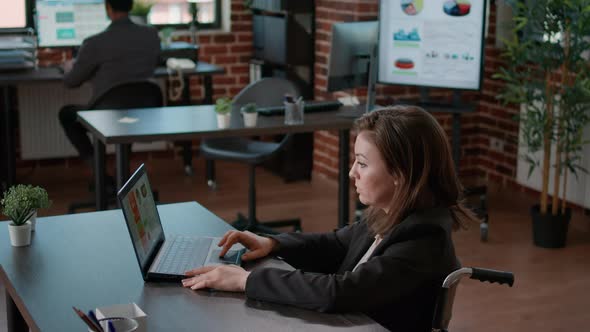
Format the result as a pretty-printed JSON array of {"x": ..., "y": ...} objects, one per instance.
[
  {"x": 444, "y": 303},
  {"x": 265, "y": 92},
  {"x": 134, "y": 94}
]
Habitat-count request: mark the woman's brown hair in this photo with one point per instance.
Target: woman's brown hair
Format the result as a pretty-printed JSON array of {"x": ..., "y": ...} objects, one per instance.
[{"x": 417, "y": 153}]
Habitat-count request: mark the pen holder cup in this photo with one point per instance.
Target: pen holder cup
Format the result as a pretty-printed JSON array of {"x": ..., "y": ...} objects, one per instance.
[
  {"x": 294, "y": 113},
  {"x": 118, "y": 324},
  {"x": 128, "y": 310}
]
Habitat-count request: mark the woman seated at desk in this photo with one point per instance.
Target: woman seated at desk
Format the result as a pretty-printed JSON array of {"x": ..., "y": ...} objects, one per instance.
[{"x": 390, "y": 265}]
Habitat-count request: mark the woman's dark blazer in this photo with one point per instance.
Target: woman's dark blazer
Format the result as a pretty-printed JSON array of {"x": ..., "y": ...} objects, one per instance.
[{"x": 397, "y": 286}]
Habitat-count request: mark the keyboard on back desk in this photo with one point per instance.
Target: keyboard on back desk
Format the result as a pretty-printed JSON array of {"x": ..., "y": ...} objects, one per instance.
[{"x": 310, "y": 107}]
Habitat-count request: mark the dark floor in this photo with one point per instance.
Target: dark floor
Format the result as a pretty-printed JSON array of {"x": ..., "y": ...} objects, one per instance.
[{"x": 551, "y": 288}]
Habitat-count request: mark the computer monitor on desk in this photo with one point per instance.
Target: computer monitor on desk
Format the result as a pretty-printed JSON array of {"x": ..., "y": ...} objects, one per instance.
[
  {"x": 68, "y": 22},
  {"x": 352, "y": 44}
]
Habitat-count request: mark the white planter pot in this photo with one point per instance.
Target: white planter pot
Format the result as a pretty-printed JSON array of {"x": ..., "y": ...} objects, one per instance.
[
  {"x": 20, "y": 235},
  {"x": 33, "y": 221},
  {"x": 250, "y": 119},
  {"x": 223, "y": 120}
]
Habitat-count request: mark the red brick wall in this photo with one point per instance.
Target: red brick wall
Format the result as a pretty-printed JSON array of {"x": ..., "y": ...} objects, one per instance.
[
  {"x": 490, "y": 120},
  {"x": 231, "y": 50}
]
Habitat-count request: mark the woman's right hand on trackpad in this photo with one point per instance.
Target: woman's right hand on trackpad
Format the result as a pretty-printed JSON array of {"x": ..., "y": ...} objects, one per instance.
[{"x": 258, "y": 246}]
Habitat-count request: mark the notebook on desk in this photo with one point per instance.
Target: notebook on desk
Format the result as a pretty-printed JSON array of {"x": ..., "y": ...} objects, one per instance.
[{"x": 160, "y": 257}]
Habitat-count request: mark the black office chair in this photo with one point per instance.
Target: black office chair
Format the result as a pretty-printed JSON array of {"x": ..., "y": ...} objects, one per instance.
[
  {"x": 265, "y": 92},
  {"x": 133, "y": 94}
]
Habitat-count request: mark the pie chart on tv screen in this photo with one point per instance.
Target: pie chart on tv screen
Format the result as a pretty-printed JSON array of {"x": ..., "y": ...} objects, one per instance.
[
  {"x": 404, "y": 63},
  {"x": 457, "y": 7},
  {"x": 412, "y": 7}
]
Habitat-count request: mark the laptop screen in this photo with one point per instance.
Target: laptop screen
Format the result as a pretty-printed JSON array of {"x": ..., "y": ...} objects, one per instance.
[{"x": 141, "y": 216}]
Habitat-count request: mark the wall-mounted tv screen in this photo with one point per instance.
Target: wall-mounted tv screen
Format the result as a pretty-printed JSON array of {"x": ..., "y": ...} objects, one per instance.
[{"x": 431, "y": 43}]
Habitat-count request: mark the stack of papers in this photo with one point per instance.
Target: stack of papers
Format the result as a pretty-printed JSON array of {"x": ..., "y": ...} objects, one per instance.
[{"x": 17, "y": 52}]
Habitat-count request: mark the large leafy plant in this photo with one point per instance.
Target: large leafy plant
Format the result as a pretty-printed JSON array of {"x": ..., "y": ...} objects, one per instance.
[
  {"x": 21, "y": 201},
  {"x": 547, "y": 72}
]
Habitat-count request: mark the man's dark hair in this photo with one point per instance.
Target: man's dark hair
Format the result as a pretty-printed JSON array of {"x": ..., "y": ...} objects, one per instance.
[{"x": 121, "y": 5}]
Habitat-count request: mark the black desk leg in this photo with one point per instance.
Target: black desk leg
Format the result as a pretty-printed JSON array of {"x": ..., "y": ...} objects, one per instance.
[
  {"x": 456, "y": 140},
  {"x": 8, "y": 169},
  {"x": 343, "y": 180},
  {"x": 14, "y": 319},
  {"x": 208, "y": 84},
  {"x": 122, "y": 164},
  {"x": 99, "y": 174}
]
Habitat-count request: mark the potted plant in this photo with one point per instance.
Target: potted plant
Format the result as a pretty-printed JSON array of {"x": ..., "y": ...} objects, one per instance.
[
  {"x": 20, "y": 203},
  {"x": 223, "y": 108},
  {"x": 548, "y": 76},
  {"x": 41, "y": 199},
  {"x": 140, "y": 10},
  {"x": 250, "y": 114}
]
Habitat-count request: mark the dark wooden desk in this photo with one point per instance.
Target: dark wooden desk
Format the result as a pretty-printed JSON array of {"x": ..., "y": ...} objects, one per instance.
[
  {"x": 86, "y": 260},
  {"x": 189, "y": 122},
  {"x": 10, "y": 80}
]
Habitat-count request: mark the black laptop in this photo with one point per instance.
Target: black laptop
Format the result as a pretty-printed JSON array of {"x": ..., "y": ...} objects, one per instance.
[{"x": 160, "y": 257}]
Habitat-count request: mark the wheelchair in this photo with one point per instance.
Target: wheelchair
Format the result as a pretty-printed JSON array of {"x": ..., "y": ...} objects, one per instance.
[{"x": 444, "y": 304}]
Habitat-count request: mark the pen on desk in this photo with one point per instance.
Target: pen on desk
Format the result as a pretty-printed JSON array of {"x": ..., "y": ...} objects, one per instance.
[
  {"x": 111, "y": 327},
  {"x": 94, "y": 319},
  {"x": 87, "y": 320}
]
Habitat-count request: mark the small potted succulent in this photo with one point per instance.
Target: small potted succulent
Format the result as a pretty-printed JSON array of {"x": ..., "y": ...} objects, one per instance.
[
  {"x": 250, "y": 114},
  {"x": 20, "y": 204},
  {"x": 223, "y": 108}
]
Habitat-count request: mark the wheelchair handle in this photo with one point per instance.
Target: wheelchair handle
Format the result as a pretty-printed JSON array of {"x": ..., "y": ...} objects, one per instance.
[{"x": 501, "y": 277}]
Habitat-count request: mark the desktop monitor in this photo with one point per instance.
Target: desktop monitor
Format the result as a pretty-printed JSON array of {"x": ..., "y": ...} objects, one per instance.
[
  {"x": 69, "y": 22},
  {"x": 352, "y": 44},
  {"x": 14, "y": 14},
  {"x": 432, "y": 43}
]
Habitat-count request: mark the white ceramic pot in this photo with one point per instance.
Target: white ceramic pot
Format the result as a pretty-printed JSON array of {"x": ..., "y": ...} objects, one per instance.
[
  {"x": 33, "y": 221},
  {"x": 20, "y": 236},
  {"x": 250, "y": 119},
  {"x": 223, "y": 120}
]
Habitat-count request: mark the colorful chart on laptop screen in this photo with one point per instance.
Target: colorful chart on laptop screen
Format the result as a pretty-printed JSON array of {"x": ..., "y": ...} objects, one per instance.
[
  {"x": 457, "y": 7},
  {"x": 412, "y": 7}
]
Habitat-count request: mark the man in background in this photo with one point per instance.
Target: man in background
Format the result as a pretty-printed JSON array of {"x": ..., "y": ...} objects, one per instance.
[{"x": 123, "y": 52}]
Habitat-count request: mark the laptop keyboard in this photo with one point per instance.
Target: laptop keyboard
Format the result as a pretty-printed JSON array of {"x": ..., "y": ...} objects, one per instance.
[{"x": 182, "y": 254}]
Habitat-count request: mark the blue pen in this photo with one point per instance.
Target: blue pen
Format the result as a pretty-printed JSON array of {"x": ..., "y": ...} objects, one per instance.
[
  {"x": 111, "y": 327},
  {"x": 94, "y": 319}
]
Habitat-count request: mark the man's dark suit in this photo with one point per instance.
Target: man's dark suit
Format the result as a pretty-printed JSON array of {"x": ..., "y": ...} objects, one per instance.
[
  {"x": 123, "y": 52},
  {"x": 397, "y": 286}
]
